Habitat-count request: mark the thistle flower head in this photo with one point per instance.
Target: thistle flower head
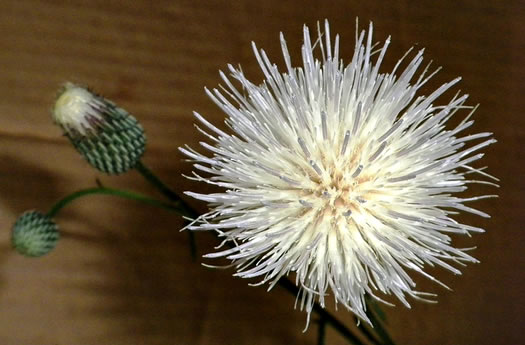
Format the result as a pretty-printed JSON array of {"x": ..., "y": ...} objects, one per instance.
[
  {"x": 34, "y": 234},
  {"x": 338, "y": 173},
  {"x": 108, "y": 137}
]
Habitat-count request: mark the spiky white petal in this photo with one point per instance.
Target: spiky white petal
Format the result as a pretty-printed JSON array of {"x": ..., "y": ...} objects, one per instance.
[{"x": 338, "y": 173}]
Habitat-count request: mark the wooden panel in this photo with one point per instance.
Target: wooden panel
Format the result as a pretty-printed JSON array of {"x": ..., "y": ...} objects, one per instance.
[{"x": 123, "y": 276}]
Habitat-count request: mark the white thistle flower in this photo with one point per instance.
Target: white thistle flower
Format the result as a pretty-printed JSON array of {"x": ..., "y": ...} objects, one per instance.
[{"x": 338, "y": 173}]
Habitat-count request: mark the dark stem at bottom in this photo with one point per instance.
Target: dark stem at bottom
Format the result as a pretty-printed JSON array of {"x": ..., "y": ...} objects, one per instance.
[{"x": 328, "y": 317}]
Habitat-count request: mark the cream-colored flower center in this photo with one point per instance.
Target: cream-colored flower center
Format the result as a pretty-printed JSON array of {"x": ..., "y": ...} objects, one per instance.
[{"x": 339, "y": 188}]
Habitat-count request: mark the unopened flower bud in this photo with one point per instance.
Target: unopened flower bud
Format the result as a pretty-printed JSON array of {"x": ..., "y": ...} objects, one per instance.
[
  {"x": 34, "y": 234},
  {"x": 108, "y": 137}
]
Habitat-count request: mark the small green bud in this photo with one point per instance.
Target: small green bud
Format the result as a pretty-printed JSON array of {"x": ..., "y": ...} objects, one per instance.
[
  {"x": 34, "y": 234},
  {"x": 108, "y": 137}
]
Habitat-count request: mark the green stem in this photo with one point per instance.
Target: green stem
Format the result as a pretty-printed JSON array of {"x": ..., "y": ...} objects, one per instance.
[
  {"x": 376, "y": 322},
  {"x": 324, "y": 314},
  {"x": 174, "y": 198},
  {"x": 111, "y": 191},
  {"x": 321, "y": 331},
  {"x": 366, "y": 332},
  {"x": 165, "y": 190}
]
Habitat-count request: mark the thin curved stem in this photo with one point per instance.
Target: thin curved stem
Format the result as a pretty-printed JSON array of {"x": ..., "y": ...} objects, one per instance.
[
  {"x": 186, "y": 210},
  {"x": 165, "y": 190},
  {"x": 112, "y": 191},
  {"x": 324, "y": 314},
  {"x": 321, "y": 331},
  {"x": 366, "y": 332},
  {"x": 376, "y": 322}
]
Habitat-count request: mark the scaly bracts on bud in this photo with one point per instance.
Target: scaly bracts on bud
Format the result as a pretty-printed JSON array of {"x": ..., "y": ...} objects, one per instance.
[
  {"x": 108, "y": 137},
  {"x": 34, "y": 234}
]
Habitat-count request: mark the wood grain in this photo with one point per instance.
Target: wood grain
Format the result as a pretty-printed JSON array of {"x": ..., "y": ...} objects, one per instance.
[{"x": 122, "y": 273}]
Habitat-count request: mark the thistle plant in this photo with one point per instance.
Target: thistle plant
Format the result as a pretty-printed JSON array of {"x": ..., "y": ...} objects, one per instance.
[{"x": 339, "y": 174}]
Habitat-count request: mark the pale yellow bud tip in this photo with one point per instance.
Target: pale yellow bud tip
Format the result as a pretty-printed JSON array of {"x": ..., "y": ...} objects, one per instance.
[{"x": 76, "y": 110}]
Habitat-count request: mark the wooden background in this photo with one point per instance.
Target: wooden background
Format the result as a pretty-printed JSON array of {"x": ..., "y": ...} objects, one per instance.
[{"x": 122, "y": 273}]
